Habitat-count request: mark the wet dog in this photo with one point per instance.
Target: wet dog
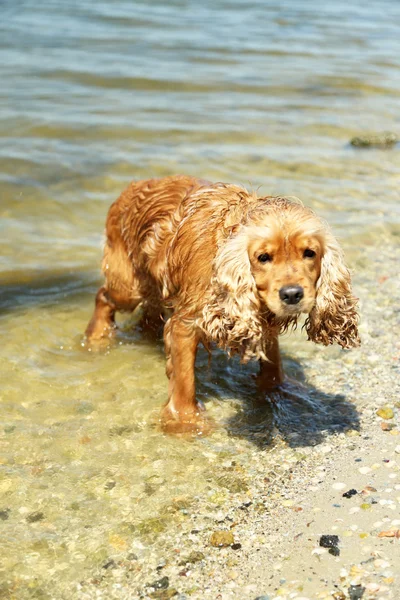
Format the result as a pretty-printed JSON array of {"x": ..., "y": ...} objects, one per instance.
[{"x": 236, "y": 270}]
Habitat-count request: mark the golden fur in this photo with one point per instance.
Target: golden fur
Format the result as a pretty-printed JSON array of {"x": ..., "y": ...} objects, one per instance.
[{"x": 222, "y": 259}]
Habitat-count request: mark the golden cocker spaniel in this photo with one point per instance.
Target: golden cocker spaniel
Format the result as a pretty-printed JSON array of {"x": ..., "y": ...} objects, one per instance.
[{"x": 236, "y": 270}]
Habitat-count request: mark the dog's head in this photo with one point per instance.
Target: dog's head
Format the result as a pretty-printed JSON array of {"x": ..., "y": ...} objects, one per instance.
[{"x": 282, "y": 261}]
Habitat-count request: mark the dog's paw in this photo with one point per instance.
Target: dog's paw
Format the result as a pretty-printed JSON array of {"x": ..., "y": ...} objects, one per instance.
[{"x": 189, "y": 422}]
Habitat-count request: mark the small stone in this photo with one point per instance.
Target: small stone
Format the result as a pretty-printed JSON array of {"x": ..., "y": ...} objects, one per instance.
[
  {"x": 328, "y": 541},
  {"x": 236, "y": 546},
  {"x": 339, "y": 486},
  {"x": 364, "y": 470},
  {"x": 339, "y": 596},
  {"x": 356, "y": 592},
  {"x": 110, "y": 564},
  {"x": 365, "y": 506},
  {"x": 221, "y": 539},
  {"x": 377, "y": 140},
  {"x": 262, "y": 598},
  {"x": 334, "y": 551},
  {"x": 397, "y": 449},
  {"x": 385, "y": 413},
  {"x": 34, "y": 517},
  {"x": 193, "y": 557},
  {"x": 350, "y": 493},
  {"x": 352, "y": 433},
  {"x": 368, "y": 490},
  {"x": 354, "y": 510},
  {"x": 387, "y": 426},
  {"x": 160, "y": 584},
  {"x": 4, "y": 514}
]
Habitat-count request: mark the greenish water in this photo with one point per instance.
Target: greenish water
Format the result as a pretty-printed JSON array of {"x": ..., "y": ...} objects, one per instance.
[{"x": 93, "y": 95}]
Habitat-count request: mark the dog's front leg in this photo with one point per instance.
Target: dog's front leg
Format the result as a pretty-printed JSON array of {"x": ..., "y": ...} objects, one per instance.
[
  {"x": 271, "y": 373},
  {"x": 181, "y": 413}
]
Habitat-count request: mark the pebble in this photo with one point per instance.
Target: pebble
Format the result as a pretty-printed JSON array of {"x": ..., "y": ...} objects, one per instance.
[
  {"x": 221, "y": 539},
  {"x": 364, "y": 470},
  {"x": 160, "y": 584},
  {"x": 350, "y": 493},
  {"x": 34, "y": 517},
  {"x": 338, "y": 486},
  {"x": 328, "y": 541},
  {"x": 356, "y": 592},
  {"x": 381, "y": 140},
  {"x": 385, "y": 413}
]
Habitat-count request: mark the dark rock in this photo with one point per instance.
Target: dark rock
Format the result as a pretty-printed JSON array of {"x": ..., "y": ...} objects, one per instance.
[
  {"x": 34, "y": 517},
  {"x": 334, "y": 551},
  {"x": 160, "y": 584},
  {"x": 236, "y": 546},
  {"x": 356, "y": 592},
  {"x": 329, "y": 541},
  {"x": 120, "y": 430},
  {"x": 4, "y": 514},
  {"x": 350, "y": 493},
  {"x": 383, "y": 140},
  {"x": 110, "y": 564}
]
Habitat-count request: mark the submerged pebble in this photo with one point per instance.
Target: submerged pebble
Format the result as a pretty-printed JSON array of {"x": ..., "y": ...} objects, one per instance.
[
  {"x": 381, "y": 140},
  {"x": 220, "y": 539},
  {"x": 160, "y": 584},
  {"x": 35, "y": 516},
  {"x": 193, "y": 557}
]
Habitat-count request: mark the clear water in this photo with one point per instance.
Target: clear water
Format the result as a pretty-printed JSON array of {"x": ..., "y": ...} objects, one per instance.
[{"x": 92, "y": 95}]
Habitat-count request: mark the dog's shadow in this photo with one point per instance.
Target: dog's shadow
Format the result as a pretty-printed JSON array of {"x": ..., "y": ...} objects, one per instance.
[{"x": 297, "y": 411}]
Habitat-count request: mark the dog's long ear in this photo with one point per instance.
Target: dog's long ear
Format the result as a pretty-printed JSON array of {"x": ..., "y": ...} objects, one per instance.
[
  {"x": 334, "y": 317},
  {"x": 231, "y": 317}
]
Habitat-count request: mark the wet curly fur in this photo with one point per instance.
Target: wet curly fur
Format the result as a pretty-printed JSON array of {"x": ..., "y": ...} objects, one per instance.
[{"x": 221, "y": 258}]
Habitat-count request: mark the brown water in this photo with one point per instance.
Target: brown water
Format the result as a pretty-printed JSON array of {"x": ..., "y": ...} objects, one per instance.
[{"x": 92, "y": 95}]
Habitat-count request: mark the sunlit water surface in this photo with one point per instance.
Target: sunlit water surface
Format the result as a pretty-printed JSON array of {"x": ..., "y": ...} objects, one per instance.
[{"x": 93, "y": 95}]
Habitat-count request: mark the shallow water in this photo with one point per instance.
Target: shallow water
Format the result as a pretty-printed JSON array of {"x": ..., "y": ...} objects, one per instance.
[{"x": 95, "y": 94}]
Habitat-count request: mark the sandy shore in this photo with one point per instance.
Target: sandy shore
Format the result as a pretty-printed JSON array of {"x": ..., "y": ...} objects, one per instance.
[{"x": 273, "y": 526}]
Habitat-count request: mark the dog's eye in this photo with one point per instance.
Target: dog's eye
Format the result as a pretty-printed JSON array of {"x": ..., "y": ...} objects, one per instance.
[
  {"x": 263, "y": 258},
  {"x": 308, "y": 253}
]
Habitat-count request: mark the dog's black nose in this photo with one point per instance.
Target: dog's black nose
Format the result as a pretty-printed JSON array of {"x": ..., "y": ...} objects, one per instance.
[{"x": 291, "y": 294}]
